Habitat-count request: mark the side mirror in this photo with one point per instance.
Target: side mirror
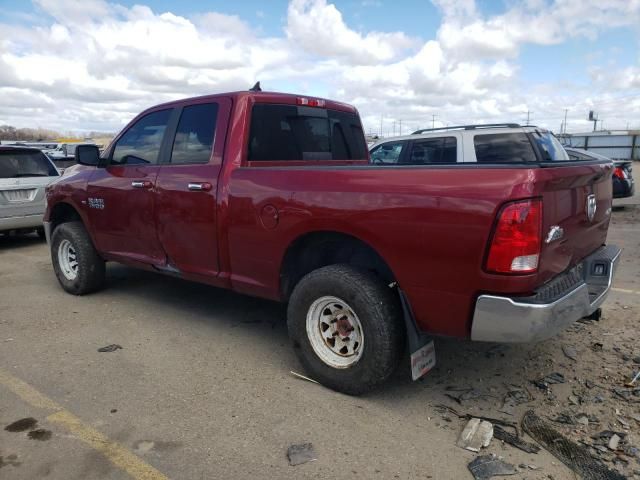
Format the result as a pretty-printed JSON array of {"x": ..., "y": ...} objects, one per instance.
[{"x": 88, "y": 155}]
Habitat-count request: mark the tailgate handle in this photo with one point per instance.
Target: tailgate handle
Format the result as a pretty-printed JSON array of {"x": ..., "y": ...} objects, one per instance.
[
  {"x": 199, "y": 187},
  {"x": 141, "y": 184}
]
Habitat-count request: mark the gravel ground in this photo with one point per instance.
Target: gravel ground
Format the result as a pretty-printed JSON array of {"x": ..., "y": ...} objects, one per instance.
[{"x": 201, "y": 387}]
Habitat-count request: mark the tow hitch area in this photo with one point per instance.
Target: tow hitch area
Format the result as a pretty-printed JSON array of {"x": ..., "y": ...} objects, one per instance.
[{"x": 421, "y": 346}]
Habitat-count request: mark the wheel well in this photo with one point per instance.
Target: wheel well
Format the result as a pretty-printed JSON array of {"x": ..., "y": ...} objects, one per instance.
[
  {"x": 62, "y": 213},
  {"x": 320, "y": 249}
]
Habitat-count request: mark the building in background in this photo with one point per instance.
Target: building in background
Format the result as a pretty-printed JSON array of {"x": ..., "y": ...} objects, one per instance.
[{"x": 615, "y": 144}]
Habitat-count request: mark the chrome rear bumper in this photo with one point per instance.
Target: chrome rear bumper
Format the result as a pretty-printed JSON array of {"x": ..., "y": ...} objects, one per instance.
[{"x": 535, "y": 318}]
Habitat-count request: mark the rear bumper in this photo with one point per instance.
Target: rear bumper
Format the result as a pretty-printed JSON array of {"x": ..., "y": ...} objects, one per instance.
[
  {"x": 624, "y": 188},
  {"x": 18, "y": 223},
  {"x": 567, "y": 298}
]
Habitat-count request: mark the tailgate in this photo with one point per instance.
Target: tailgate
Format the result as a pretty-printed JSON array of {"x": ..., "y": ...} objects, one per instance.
[{"x": 577, "y": 199}]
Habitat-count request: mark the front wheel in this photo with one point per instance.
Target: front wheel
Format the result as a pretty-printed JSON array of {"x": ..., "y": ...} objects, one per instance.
[
  {"x": 346, "y": 328},
  {"x": 76, "y": 263}
]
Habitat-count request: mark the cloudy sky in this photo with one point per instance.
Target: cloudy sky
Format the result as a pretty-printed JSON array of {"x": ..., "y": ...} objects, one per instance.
[{"x": 80, "y": 65}]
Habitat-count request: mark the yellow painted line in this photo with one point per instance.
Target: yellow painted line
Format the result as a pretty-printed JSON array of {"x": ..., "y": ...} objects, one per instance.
[
  {"x": 624, "y": 290},
  {"x": 27, "y": 393},
  {"x": 117, "y": 454},
  {"x": 114, "y": 452}
]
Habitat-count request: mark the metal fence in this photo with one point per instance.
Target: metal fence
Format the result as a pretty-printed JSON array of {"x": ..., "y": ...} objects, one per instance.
[{"x": 617, "y": 147}]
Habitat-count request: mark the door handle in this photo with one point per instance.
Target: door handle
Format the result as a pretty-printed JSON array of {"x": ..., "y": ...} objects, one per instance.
[
  {"x": 141, "y": 184},
  {"x": 199, "y": 187}
]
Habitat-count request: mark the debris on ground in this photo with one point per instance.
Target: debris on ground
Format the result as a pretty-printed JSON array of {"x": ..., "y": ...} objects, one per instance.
[
  {"x": 614, "y": 441},
  {"x": 110, "y": 348},
  {"x": 551, "y": 379},
  {"x": 463, "y": 394},
  {"x": 565, "y": 418},
  {"x": 21, "y": 425},
  {"x": 485, "y": 467},
  {"x": 574, "y": 456},
  {"x": 609, "y": 439},
  {"x": 630, "y": 383},
  {"x": 300, "y": 453},
  {"x": 497, "y": 350},
  {"x": 476, "y": 435},
  {"x": 467, "y": 416},
  {"x": 40, "y": 434},
  {"x": 514, "y": 440},
  {"x": 514, "y": 397},
  {"x": 299, "y": 375},
  {"x": 627, "y": 394},
  {"x": 570, "y": 352}
]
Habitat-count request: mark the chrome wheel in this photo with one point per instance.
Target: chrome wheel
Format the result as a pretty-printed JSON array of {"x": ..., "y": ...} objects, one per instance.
[
  {"x": 67, "y": 260},
  {"x": 335, "y": 332}
]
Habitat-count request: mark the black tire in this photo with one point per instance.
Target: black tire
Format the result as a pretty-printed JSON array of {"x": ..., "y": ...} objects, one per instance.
[
  {"x": 91, "y": 267},
  {"x": 378, "y": 310}
]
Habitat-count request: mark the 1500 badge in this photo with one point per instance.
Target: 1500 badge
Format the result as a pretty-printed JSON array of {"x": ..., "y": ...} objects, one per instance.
[{"x": 96, "y": 203}]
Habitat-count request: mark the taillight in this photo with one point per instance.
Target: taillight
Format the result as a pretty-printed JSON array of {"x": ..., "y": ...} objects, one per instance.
[
  {"x": 619, "y": 172},
  {"x": 515, "y": 246}
]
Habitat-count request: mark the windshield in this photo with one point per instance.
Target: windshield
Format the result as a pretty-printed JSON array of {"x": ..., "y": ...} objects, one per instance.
[
  {"x": 24, "y": 163},
  {"x": 550, "y": 147}
]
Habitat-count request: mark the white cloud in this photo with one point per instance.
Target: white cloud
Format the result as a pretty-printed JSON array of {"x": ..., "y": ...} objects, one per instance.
[
  {"x": 319, "y": 28},
  {"x": 94, "y": 64}
]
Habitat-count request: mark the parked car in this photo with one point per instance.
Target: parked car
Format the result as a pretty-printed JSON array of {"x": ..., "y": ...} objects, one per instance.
[
  {"x": 623, "y": 184},
  {"x": 24, "y": 174},
  {"x": 273, "y": 195}
]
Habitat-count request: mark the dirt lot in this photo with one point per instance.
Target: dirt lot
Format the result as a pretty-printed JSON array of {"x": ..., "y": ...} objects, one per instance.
[{"x": 201, "y": 387}]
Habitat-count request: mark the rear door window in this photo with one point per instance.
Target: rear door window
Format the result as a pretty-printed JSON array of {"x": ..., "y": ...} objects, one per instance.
[
  {"x": 294, "y": 133},
  {"x": 387, "y": 153},
  {"x": 140, "y": 145},
  {"x": 429, "y": 151},
  {"x": 18, "y": 164},
  {"x": 504, "y": 148},
  {"x": 195, "y": 133}
]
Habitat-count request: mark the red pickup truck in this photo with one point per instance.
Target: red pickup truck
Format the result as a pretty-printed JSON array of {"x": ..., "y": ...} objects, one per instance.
[{"x": 273, "y": 195}]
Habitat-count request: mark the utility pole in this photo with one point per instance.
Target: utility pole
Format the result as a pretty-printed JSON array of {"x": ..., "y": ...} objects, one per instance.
[
  {"x": 400, "y": 126},
  {"x": 433, "y": 120},
  {"x": 565, "y": 120},
  {"x": 380, "y": 125},
  {"x": 528, "y": 116}
]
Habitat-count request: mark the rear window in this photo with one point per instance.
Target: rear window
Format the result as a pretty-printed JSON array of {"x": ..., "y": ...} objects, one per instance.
[
  {"x": 20, "y": 164},
  {"x": 550, "y": 148},
  {"x": 504, "y": 148},
  {"x": 287, "y": 132}
]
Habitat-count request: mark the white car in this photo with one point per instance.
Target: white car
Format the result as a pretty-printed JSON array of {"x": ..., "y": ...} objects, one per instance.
[
  {"x": 24, "y": 174},
  {"x": 492, "y": 143}
]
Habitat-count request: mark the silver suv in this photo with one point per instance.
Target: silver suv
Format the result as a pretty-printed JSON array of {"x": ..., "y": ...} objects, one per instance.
[
  {"x": 492, "y": 143},
  {"x": 24, "y": 174}
]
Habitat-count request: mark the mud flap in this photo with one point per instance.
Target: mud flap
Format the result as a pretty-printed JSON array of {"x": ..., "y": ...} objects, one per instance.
[{"x": 421, "y": 346}]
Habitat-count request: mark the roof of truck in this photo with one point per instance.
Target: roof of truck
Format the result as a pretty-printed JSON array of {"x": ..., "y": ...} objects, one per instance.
[{"x": 262, "y": 97}]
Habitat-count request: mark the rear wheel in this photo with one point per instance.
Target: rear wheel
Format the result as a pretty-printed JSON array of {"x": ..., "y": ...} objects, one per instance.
[
  {"x": 76, "y": 263},
  {"x": 346, "y": 327}
]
